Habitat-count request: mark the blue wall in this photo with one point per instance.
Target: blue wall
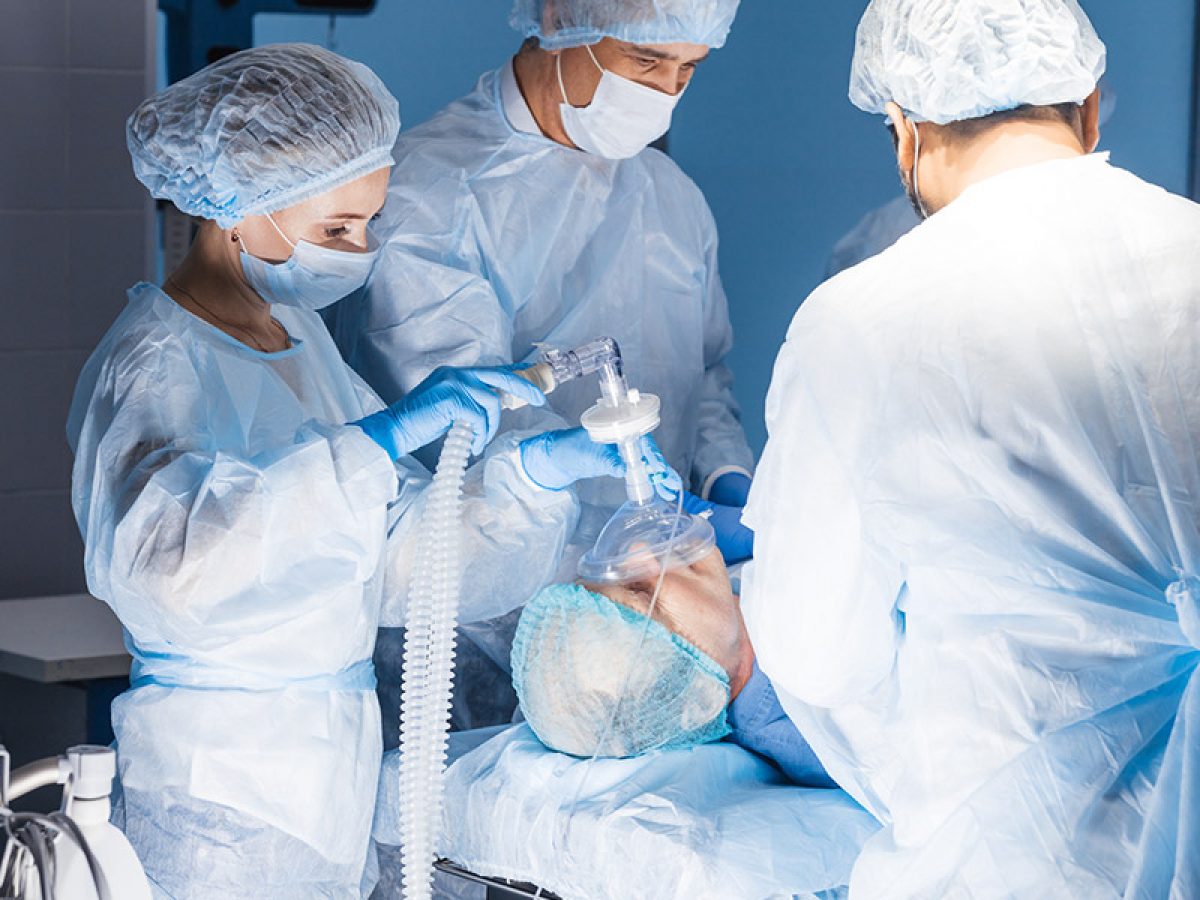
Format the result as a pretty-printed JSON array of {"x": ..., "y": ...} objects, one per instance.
[{"x": 787, "y": 163}]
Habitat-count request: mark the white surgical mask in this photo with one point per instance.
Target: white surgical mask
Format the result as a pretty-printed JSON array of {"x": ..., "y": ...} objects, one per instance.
[
  {"x": 623, "y": 118},
  {"x": 312, "y": 277}
]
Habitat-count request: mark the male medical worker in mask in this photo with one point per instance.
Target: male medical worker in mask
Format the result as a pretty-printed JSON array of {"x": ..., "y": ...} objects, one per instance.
[
  {"x": 884, "y": 225},
  {"x": 533, "y": 211},
  {"x": 975, "y": 585}
]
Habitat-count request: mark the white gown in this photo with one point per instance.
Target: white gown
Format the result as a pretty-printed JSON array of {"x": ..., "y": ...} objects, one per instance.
[
  {"x": 251, "y": 542},
  {"x": 975, "y": 577}
]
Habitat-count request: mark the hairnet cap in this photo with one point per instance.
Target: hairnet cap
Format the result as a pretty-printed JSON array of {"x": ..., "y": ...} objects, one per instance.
[
  {"x": 261, "y": 130},
  {"x": 948, "y": 60},
  {"x": 571, "y": 23},
  {"x": 595, "y": 677}
]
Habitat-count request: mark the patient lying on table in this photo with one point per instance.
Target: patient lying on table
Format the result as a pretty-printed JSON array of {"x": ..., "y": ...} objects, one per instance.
[{"x": 598, "y": 672}]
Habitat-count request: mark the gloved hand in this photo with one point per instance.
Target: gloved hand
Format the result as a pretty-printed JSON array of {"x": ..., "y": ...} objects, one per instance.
[
  {"x": 446, "y": 396},
  {"x": 666, "y": 481},
  {"x": 731, "y": 489},
  {"x": 734, "y": 540},
  {"x": 557, "y": 459}
]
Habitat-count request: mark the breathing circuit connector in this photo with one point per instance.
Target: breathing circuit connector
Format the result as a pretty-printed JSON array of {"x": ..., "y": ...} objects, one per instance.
[{"x": 557, "y": 367}]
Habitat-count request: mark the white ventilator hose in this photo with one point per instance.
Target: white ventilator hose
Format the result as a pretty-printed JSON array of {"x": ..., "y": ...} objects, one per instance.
[{"x": 429, "y": 667}]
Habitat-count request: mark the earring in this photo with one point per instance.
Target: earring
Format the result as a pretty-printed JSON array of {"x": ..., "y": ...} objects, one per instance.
[{"x": 234, "y": 236}]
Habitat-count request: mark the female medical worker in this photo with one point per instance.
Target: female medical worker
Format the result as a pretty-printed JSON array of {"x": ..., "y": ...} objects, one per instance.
[{"x": 245, "y": 500}]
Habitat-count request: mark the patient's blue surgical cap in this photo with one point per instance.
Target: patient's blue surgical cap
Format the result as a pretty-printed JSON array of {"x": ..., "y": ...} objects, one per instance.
[
  {"x": 262, "y": 130},
  {"x": 571, "y": 23},
  {"x": 576, "y": 654},
  {"x": 948, "y": 60}
]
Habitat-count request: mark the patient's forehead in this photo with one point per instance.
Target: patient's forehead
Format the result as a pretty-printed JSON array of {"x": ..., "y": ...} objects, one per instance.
[
  {"x": 618, "y": 593},
  {"x": 635, "y": 596}
]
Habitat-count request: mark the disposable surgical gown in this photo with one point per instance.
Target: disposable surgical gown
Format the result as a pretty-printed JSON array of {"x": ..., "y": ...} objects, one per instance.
[
  {"x": 498, "y": 239},
  {"x": 874, "y": 233},
  {"x": 250, "y": 542},
  {"x": 976, "y": 549}
]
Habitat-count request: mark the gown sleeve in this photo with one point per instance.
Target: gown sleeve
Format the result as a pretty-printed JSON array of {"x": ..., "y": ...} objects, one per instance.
[
  {"x": 513, "y": 535},
  {"x": 721, "y": 445},
  {"x": 195, "y": 541},
  {"x": 759, "y": 724}
]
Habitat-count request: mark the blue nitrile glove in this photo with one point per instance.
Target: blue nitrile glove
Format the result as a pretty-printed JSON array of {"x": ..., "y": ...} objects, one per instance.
[
  {"x": 445, "y": 397},
  {"x": 557, "y": 459},
  {"x": 734, "y": 540},
  {"x": 666, "y": 481},
  {"x": 731, "y": 489}
]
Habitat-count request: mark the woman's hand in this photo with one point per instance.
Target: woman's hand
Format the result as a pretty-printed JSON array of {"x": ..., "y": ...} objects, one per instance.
[{"x": 445, "y": 397}]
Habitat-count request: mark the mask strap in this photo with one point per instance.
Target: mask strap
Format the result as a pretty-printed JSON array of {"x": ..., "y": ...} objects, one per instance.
[
  {"x": 916, "y": 163},
  {"x": 280, "y": 230},
  {"x": 588, "y": 48},
  {"x": 562, "y": 87}
]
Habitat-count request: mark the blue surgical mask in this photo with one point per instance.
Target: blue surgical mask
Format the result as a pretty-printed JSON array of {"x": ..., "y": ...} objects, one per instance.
[{"x": 312, "y": 277}]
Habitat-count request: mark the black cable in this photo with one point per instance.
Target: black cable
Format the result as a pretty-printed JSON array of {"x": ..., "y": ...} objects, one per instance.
[
  {"x": 68, "y": 826},
  {"x": 29, "y": 832},
  {"x": 34, "y": 834}
]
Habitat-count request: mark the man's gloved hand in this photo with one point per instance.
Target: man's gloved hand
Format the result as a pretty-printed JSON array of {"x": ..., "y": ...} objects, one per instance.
[
  {"x": 557, "y": 459},
  {"x": 666, "y": 481},
  {"x": 731, "y": 489},
  {"x": 734, "y": 540},
  {"x": 445, "y": 397}
]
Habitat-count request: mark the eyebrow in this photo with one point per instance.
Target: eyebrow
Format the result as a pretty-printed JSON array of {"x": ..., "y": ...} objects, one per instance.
[{"x": 655, "y": 53}]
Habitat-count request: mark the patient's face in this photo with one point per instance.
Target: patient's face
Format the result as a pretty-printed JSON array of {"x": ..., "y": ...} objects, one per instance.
[{"x": 698, "y": 604}]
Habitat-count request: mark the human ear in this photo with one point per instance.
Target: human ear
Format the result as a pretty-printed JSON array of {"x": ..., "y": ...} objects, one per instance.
[
  {"x": 904, "y": 136},
  {"x": 1090, "y": 120}
]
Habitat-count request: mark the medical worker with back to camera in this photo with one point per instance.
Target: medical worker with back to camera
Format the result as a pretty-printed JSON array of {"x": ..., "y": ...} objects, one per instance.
[
  {"x": 976, "y": 585},
  {"x": 247, "y": 503}
]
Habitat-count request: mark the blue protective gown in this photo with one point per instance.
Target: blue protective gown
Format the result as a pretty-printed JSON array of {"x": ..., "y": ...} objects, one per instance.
[
  {"x": 874, "y": 233},
  {"x": 498, "y": 239},
  {"x": 977, "y": 541},
  {"x": 251, "y": 542}
]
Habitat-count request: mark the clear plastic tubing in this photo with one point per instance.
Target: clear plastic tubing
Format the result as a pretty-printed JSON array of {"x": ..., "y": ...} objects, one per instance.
[
  {"x": 614, "y": 392},
  {"x": 428, "y": 682},
  {"x": 429, "y": 667},
  {"x": 638, "y": 488}
]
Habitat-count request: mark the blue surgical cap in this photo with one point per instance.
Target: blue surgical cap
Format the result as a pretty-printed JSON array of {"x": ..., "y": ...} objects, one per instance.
[
  {"x": 595, "y": 677},
  {"x": 570, "y": 23},
  {"x": 262, "y": 130},
  {"x": 948, "y": 60}
]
